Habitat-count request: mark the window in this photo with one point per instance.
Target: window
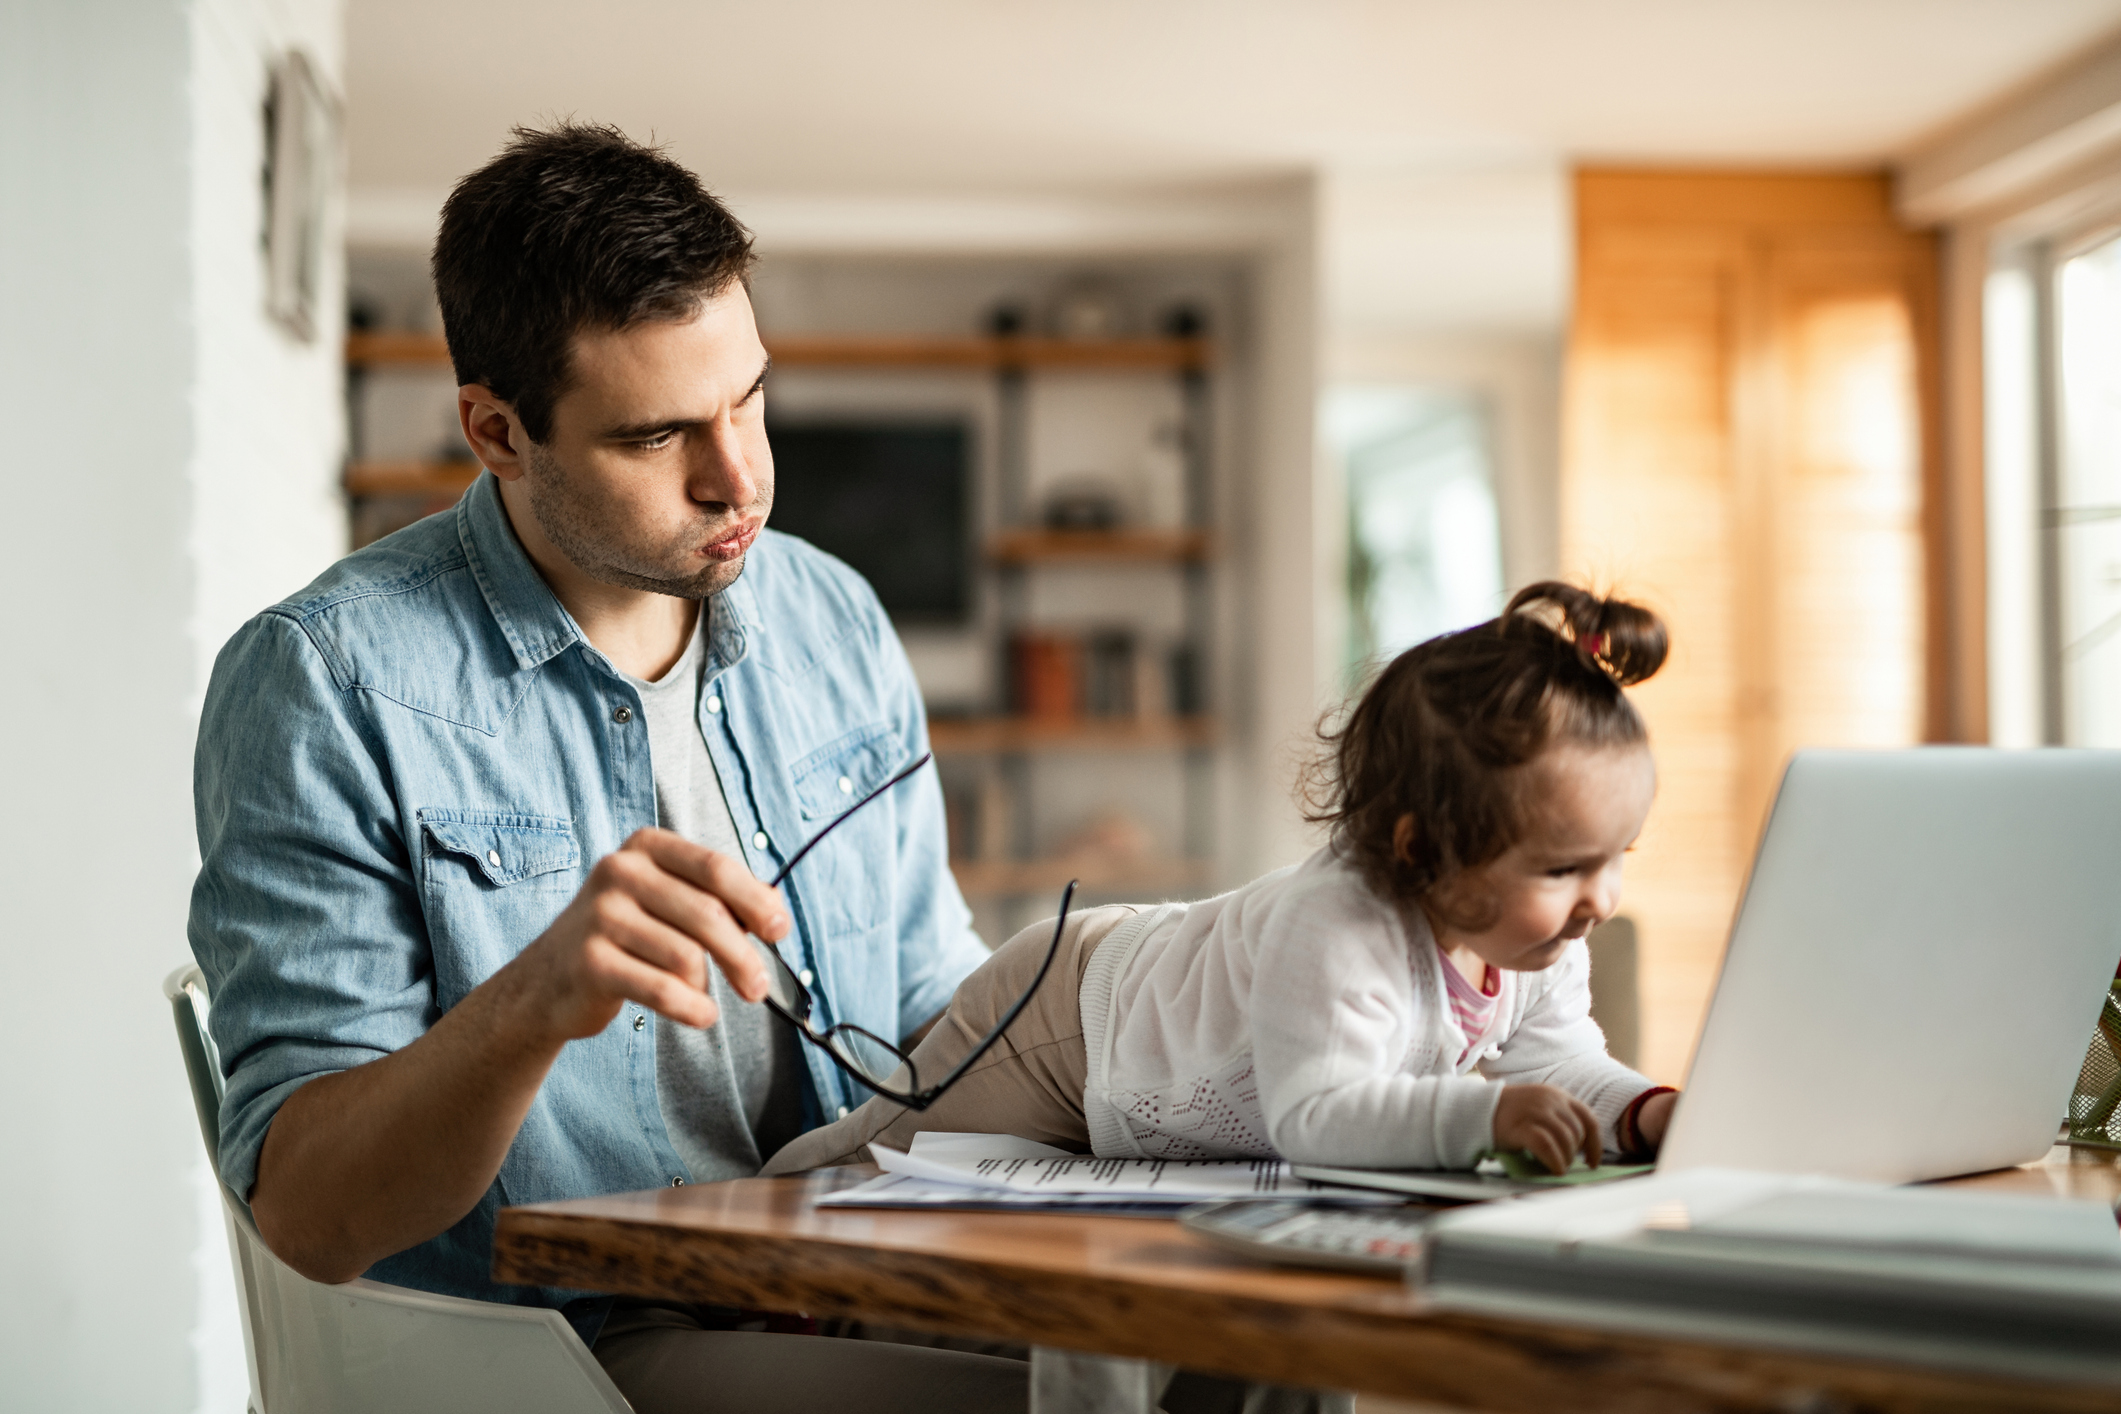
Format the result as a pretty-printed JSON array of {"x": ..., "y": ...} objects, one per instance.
[
  {"x": 2052, "y": 390},
  {"x": 2085, "y": 512},
  {"x": 1424, "y": 547}
]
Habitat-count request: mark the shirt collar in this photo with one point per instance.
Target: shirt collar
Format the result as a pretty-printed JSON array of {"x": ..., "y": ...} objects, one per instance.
[
  {"x": 530, "y": 615},
  {"x": 537, "y": 626},
  {"x": 732, "y": 622}
]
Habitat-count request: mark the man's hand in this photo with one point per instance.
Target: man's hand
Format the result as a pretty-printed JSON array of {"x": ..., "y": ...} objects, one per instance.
[
  {"x": 643, "y": 930},
  {"x": 1551, "y": 1124},
  {"x": 362, "y": 1163}
]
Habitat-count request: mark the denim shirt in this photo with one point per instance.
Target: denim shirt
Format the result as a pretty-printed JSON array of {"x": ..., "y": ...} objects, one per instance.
[{"x": 405, "y": 772}]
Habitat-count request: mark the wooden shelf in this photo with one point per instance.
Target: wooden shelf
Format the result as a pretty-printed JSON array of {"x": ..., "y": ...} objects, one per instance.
[
  {"x": 1001, "y": 878},
  {"x": 1019, "y": 547},
  {"x": 365, "y": 350},
  {"x": 966, "y": 736},
  {"x": 978, "y": 351},
  {"x": 410, "y": 478}
]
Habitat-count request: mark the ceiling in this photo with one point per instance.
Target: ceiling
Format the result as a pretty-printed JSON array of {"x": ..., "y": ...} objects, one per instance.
[{"x": 955, "y": 97}]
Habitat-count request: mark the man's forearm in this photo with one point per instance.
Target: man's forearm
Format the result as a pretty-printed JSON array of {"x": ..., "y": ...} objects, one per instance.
[{"x": 366, "y": 1162}]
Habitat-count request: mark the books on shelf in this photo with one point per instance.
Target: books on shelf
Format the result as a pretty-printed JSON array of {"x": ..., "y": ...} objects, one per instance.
[{"x": 1102, "y": 674}]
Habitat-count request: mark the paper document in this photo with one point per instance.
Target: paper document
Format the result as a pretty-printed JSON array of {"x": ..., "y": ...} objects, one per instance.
[
  {"x": 902, "y": 1190},
  {"x": 1029, "y": 1174}
]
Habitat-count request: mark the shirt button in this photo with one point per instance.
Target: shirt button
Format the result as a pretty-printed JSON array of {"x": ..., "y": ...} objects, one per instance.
[
  {"x": 493, "y": 857},
  {"x": 843, "y": 1112},
  {"x": 622, "y": 715},
  {"x": 759, "y": 840},
  {"x": 846, "y": 786},
  {"x": 805, "y": 977},
  {"x": 677, "y": 1183},
  {"x": 639, "y": 1021},
  {"x": 714, "y": 704}
]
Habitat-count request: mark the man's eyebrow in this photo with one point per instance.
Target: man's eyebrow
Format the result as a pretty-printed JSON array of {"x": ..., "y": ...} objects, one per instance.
[{"x": 646, "y": 431}]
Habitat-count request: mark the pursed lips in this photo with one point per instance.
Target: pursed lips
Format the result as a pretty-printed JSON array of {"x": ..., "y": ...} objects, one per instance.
[{"x": 733, "y": 544}]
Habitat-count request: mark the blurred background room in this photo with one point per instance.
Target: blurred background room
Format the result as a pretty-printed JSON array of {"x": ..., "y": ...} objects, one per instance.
[{"x": 1165, "y": 367}]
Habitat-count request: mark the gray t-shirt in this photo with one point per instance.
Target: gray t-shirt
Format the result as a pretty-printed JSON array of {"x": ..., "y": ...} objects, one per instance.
[{"x": 732, "y": 1094}]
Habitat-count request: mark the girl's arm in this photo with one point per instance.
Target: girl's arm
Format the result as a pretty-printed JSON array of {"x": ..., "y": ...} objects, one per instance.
[
  {"x": 1349, "y": 1071},
  {"x": 1556, "y": 1043}
]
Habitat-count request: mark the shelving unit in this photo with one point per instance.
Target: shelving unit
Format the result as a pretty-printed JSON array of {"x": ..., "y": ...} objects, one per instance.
[
  {"x": 371, "y": 349},
  {"x": 1000, "y": 742},
  {"x": 966, "y": 736}
]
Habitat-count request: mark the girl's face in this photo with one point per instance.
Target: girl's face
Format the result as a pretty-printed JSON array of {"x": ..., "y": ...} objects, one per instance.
[{"x": 1562, "y": 879}]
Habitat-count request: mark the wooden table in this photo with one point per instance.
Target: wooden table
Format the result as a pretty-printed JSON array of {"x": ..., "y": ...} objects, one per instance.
[{"x": 1148, "y": 1290}]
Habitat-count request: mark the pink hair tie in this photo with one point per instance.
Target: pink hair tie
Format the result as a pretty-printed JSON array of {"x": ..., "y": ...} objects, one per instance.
[{"x": 1594, "y": 645}]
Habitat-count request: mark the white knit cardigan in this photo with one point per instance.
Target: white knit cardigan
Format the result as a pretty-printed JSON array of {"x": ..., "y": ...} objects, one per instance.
[{"x": 1301, "y": 1015}]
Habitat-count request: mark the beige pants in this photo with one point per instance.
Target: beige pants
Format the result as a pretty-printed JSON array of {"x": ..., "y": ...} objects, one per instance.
[{"x": 1029, "y": 1084}]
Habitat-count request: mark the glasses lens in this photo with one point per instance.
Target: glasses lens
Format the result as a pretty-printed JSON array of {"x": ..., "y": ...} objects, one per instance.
[
  {"x": 783, "y": 988},
  {"x": 876, "y": 1061}
]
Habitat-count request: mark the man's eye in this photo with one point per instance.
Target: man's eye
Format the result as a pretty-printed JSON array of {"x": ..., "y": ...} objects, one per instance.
[{"x": 655, "y": 443}]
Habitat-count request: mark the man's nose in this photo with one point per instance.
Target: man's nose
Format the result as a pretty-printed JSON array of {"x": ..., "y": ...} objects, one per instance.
[{"x": 722, "y": 472}]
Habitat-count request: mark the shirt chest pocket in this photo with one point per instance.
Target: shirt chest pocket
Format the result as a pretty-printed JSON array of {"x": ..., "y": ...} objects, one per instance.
[
  {"x": 846, "y": 882},
  {"x": 491, "y": 882}
]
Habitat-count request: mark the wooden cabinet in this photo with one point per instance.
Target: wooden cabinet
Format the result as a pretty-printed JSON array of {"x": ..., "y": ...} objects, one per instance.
[{"x": 1748, "y": 446}]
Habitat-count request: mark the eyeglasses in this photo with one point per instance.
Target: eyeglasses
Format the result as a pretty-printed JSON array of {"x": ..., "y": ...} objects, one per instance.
[{"x": 876, "y": 1063}]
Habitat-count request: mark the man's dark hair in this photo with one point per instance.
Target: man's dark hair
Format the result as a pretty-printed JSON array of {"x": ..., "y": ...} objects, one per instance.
[{"x": 571, "y": 228}]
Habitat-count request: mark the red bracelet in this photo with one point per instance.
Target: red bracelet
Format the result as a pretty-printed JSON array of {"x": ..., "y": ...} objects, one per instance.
[{"x": 1629, "y": 1130}]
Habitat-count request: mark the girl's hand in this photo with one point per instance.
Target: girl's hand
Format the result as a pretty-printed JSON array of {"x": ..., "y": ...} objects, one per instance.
[
  {"x": 1551, "y": 1124},
  {"x": 1653, "y": 1118}
]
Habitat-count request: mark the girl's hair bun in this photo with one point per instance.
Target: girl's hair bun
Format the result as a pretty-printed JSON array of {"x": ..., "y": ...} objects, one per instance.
[{"x": 1625, "y": 641}]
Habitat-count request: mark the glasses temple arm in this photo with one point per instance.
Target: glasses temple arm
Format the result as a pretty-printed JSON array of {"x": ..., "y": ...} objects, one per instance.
[
  {"x": 839, "y": 819},
  {"x": 1052, "y": 951}
]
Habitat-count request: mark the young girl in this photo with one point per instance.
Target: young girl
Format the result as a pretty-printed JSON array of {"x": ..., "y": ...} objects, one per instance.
[{"x": 1412, "y": 995}]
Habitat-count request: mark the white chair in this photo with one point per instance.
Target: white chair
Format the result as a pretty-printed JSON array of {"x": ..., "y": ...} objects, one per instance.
[{"x": 362, "y": 1347}]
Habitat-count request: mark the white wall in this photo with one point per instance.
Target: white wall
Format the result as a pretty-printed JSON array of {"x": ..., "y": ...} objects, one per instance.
[
  {"x": 170, "y": 459},
  {"x": 1459, "y": 278}
]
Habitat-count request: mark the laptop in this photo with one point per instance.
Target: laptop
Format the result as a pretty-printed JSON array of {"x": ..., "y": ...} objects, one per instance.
[{"x": 1916, "y": 968}]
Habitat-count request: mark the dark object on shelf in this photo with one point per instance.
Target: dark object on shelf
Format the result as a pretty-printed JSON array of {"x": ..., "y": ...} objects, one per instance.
[
  {"x": 1087, "y": 307},
  {"x": 1184, "y": 321},
  {"x": 363, "y": 314},
  {"x": 1187, "y": 697},
  {"x": 1046, "y": 674},
  {"x": 1082, "y": 505},
  {"x": 1007, "y": 319},
  {"x": 891, "y": 499},
  {"x": 1108, "y": 674},
  {"x": 374, "y": 517}
]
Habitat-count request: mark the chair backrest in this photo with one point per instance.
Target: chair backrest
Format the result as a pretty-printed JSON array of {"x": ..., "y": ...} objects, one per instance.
[
  {"x": 362, "y": 1347},
  {"x": 1616, "y": 995},
  {"x": 186, "y": 990}
]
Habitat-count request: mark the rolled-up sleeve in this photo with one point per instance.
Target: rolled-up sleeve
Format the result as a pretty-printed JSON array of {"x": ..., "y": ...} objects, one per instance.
[{"x": 305, "y": 917}]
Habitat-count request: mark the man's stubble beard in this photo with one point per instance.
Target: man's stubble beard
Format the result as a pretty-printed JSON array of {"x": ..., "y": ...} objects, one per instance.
[{"x": 599, "y": 547}]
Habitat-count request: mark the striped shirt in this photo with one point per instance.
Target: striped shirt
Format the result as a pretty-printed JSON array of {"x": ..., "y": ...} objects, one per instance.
[{"x": 1471, "y": 1007}]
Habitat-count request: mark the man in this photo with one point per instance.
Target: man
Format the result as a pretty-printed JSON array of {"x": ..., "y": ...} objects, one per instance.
[{"x": 485, "y": 810}]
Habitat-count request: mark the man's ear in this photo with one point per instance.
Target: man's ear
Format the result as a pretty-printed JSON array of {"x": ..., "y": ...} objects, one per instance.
[{"x": 491, "y": 429}]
